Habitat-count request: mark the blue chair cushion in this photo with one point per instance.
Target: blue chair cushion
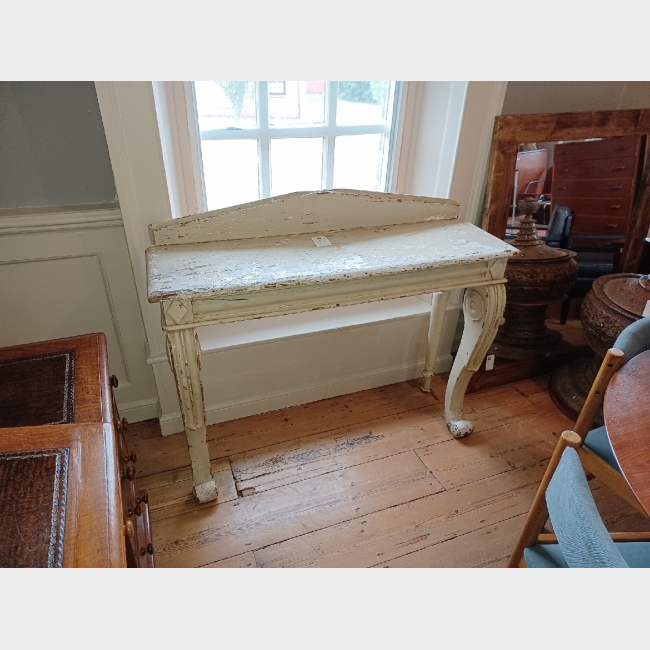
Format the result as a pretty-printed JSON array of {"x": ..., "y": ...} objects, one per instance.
[
  {"x": 581, "y": 533},
  {"x": 545, "y": 556},
  {"x": 634, "y": 339},
  {"x": 597, "y": 441},
  {"x": 549, "y": 556}
]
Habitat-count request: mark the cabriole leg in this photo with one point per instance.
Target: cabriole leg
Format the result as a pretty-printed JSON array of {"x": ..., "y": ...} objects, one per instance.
[
  {"x": 185, "y": 357},
  {"x": 438, "y": 311},
  {"x": 483, "y": 311}
]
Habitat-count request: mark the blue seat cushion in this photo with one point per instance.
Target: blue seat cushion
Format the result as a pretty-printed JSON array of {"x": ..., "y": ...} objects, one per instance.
[
  {"x": 634, "y": 339},
  {"x": 581, "y": 533},
  {"x": 545, "y": 556},
  {"x": 549, "y": 556},
  {"x": 597, "y": 441}
]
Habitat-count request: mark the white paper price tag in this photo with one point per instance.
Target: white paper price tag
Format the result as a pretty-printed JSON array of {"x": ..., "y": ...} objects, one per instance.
[
  {"x": 489, "y": 362},
  {"x": 321, "y": 241}
]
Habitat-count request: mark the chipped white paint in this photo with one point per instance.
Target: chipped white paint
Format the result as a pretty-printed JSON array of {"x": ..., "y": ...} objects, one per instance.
[
  {"x": 216, "y": 268},
  {"x": 482, "y": 308},
  {"x": 438, "y": 309},
  {"x": 302, "y": 213},
  {"x": 185, "y": 355},
  {"x": 177, "y": 312},
  {"x": 233, "y": 267}
]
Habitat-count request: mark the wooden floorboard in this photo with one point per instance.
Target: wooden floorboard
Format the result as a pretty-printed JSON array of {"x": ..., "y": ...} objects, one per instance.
[
  {"x": 371, "y": 479},
  {"x": 489, "y": 546},
  {"x": 252, "y": 522},
  {"x": 409, "y": 526},
  {"x": 280, "y": 464},
  {"x": 157, "y": 454}
]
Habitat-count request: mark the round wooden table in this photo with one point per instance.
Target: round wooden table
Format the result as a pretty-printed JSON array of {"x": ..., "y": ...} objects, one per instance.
[{"x": 627, "y": 418}]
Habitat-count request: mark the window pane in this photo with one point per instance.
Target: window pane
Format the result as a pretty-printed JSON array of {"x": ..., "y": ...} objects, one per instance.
[
  {"x": 296, "y": 164},
  {"x": 225, "y": 104},
  {"x": 296, "y": 103},
  {"x": 359, "y": 162},
  {"x": 363, "y": 102},
  {"x": 229, "y": 172}
]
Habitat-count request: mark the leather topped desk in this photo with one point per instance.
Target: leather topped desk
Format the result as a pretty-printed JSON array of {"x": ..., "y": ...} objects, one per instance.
[
  {"x": 300, "y": 252},
  {"x": 76, "y": 524},
  {"x": 627, "y": 417},
  {"x": 68, "y": 495}
]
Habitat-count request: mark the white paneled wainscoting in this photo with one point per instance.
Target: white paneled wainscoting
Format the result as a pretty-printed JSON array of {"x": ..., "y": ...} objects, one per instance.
[{"x": 66, "y": 271}]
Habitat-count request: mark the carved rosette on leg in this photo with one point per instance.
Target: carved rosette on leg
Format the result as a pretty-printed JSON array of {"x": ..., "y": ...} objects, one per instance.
[
  {"x": 483, "y": 310},
  {"x": 185, "y": 354}
]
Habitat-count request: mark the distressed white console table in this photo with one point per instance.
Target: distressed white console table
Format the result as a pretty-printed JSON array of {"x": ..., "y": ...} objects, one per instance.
[{"x": 262, "y": 259}]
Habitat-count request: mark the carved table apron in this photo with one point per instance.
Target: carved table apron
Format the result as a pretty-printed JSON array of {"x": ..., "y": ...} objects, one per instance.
[{"x": 261, "y": 259}]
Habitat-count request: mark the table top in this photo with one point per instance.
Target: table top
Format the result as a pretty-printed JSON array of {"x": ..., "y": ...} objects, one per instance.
[
  {"x": 216, "y": 268},
  {"x": 304, "y": 239},
  {"x": 627, "y": 418}
]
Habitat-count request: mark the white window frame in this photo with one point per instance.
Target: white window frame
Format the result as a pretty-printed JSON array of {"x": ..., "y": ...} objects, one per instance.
[
  {"x": 180, "y": 142},
  {"x": 328, "y": 131}
]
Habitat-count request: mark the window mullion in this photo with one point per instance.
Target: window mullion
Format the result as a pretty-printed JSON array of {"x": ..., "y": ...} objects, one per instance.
[
  {"x": 264, "y": 143},
  {"x": 389, "y": 147},
  {"x": 329, "y": 140},
  {"x": 223, "y": 134},
  {"x": 296, "y": 132}
]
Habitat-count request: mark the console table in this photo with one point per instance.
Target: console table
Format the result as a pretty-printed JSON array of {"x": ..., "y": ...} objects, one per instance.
[{"x": 304, "y": 251}]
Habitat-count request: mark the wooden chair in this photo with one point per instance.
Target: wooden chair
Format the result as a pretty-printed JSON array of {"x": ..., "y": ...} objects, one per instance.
[
  {"x": 594, "y": 448},
  {"x": 580, "y": 539}
]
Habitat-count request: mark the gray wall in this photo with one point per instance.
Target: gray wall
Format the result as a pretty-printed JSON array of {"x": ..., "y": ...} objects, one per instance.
[
  {"x": 52, "y": 145},
  {"x": 525, "y": 97}
]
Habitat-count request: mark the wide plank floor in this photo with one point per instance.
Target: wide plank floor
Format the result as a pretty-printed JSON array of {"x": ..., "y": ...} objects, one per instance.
[{"x": 362, "y": 480}]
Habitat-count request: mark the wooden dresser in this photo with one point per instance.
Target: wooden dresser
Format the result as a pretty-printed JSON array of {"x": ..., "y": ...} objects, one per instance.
[
  {"x": 597, "y": 180},
  {"x": 68, "y": 495}
]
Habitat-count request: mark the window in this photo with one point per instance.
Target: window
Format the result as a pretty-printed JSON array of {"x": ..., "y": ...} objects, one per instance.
[{"x": 264, "y": 138}]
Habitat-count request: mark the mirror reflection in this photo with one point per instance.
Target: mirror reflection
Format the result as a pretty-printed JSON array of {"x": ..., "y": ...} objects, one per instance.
[{"x": 585, "y": 190}]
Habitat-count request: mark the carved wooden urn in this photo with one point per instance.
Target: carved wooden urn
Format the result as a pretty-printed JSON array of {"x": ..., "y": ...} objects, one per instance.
[
  {"x": 614, "y": 302},
  {"x": 538, "y": 276}
]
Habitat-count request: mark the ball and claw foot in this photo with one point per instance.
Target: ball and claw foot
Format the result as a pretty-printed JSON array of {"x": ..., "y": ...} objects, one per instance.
[
  {"x": 460, "y": 428},
  {"x": 205, "y": 492}
]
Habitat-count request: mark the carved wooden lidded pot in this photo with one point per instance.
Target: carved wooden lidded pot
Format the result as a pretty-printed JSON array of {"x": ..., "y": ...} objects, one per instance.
[
  {"x": 538, "y": 276},
  {"x": 614, "y": 302}
]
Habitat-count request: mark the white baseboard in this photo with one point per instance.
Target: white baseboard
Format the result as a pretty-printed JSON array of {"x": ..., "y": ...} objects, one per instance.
[
  {"x": 139, "y": 411},
  {"x": 256, "y": 404}
]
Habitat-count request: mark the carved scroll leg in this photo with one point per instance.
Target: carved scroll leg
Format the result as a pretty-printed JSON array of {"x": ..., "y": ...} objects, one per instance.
[
  {"x": 438, "y": 311},
  {"x": 483, "y": 310},
  {"x": 185, "y": 356}
]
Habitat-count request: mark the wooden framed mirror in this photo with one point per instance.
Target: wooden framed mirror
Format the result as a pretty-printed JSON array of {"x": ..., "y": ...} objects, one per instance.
[{"x": 511, "y": 131}]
